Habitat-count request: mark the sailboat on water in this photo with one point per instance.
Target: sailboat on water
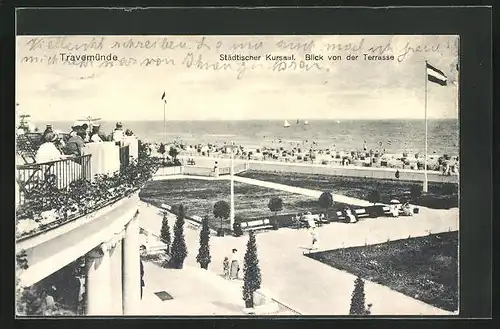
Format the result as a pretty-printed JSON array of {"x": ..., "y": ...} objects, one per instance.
[
  {"x": 298, "y": 121},
  {"x": 286, "y": 124},
  {"x": 306, "y": 123}
]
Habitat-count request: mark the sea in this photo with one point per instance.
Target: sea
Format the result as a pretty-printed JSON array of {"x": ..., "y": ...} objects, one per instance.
[{"x": 393, "y": 136}]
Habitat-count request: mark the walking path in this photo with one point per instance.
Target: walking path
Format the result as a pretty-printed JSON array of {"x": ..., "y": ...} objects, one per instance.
[
  {"x": 281, "y": 187},
  {"x": 194, "y": 291},
  {"x": 350, "y": 170},
  {"x": 308, "y": 286}
]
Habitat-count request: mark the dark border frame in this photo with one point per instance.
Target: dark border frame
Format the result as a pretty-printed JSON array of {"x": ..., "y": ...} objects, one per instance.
[{"x": 473, "y": 24}]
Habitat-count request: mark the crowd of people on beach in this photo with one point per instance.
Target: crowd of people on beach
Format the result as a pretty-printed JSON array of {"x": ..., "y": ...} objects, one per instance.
[{"x": 311, "y": 153}]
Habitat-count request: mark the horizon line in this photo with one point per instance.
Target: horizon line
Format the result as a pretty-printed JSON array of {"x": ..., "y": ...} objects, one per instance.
[{"x": 273, "y": 119}]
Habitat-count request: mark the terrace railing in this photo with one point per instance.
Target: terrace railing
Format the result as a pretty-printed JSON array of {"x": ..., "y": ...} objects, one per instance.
[
  {"x": 198, "y": 171},
  {"x": 59, "y": 174}
]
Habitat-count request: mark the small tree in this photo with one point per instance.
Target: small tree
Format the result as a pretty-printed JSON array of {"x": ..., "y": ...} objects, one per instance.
[
  {"x": 251, "y": 278},
  {"x": 165, "y": 236},
  {"x": 374, "y": 196},
  {"x": 275, "y": 204},
  {"x": 173, "y": 152},
  {"x": 325, "y": 201},
  {"x": 161, "y": 149},
  {"x": 179, "y": 249},
  {"x": 203, "y": 257},
  {"x": 222, "y": 210},
  {"x": 358, "y": 298}
]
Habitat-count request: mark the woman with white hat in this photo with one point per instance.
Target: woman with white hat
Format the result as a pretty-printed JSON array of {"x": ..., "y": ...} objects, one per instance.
[{"x": 48, "y": 151}]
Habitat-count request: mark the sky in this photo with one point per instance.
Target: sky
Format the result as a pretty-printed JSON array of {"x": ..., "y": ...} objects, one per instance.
[{"x": 201, "y": 87}]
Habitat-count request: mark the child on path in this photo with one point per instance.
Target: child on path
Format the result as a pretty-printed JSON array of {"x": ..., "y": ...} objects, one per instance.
[
  {"x": 314, "y": 236},
  {"x": 225, "y": 267}
]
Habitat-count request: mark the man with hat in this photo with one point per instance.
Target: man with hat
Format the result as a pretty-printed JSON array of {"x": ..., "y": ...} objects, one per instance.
[
  {"x": 48, "y": 129},
  {"x": 75, "y": 143},
  {"x": 84, "y": 133}
]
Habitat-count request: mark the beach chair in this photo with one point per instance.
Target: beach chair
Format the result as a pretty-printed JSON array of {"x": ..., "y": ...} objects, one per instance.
[{"x": 26, "y": 147}]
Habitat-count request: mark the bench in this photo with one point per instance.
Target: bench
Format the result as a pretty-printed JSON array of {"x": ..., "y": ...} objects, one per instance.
[
  {"x": 256, "y": 225},
  {"x": 322, "y": 220},
  {"x": 197, "y": 219},
  {"x": 359, "y": 213},
  {"x": 401, "y": 212},
  {"x": 384, "y": 210}
]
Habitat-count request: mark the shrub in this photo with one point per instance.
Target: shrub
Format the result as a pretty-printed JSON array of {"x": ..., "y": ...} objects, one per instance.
[
  {"x": 275, "y": 204},
  {"x": 237, "y": 231},
  {"x": 179, "y": 249},
  {"x": 252, "y": 277},
  {"x": 374, "y": 196},
  {"x": 325, "y": 201},
  {"x": 358, "y": 298},
  {"x": 415, "y": 192},
  {"x": 203, "y": 257}
]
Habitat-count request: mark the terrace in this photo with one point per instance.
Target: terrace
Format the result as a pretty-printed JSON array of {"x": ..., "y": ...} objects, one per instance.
[{"x": 51, "y": 194}]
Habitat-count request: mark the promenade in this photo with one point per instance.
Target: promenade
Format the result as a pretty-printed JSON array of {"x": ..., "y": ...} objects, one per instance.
[
  {"x": 308, "y": 286},
  {"x": 337, "y": 170}
]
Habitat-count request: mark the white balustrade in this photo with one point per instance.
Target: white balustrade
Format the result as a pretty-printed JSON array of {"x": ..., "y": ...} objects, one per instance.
[{"x": 105, "y": 157}]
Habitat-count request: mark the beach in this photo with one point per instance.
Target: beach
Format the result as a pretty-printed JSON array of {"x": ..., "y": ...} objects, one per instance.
[{"x": 393, "y": 136}]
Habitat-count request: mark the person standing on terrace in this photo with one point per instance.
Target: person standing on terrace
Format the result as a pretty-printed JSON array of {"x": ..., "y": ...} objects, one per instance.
[
  {"x": 48, "y": 129},
  {"x": 235, "y": 265},
  {"x": 118, "y": 133},
  {"x": 75, "y": 143},
  {"x": 143, "y": 252},
  {"x": 94, "y": 136}
]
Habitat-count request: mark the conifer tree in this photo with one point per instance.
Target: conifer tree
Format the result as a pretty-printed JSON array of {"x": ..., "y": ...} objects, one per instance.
[
  {"x": 358, "y": 298},
  {"x": 165, "y": 236},
  {"x": 203, "y": 257},
  {"x": 252, "y": 278},
  {"x": 179, "y": 249}
]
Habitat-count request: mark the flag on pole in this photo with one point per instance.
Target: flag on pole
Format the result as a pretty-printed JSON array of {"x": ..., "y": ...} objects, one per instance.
[
  {"x": 163, "y": 97},
  {"x": 435, "y": 75}
]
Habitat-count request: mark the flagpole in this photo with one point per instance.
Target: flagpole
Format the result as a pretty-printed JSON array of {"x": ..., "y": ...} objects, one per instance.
[
  {"x": 425, "y": 187},
  {"x": 165, "y": 128}
]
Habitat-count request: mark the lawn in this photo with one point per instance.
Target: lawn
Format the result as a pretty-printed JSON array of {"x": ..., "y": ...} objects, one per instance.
[
  {"x": 440, "y": 195},
  {"x": 199, "y": 197},
  {"x": 425, "y": 268}
]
